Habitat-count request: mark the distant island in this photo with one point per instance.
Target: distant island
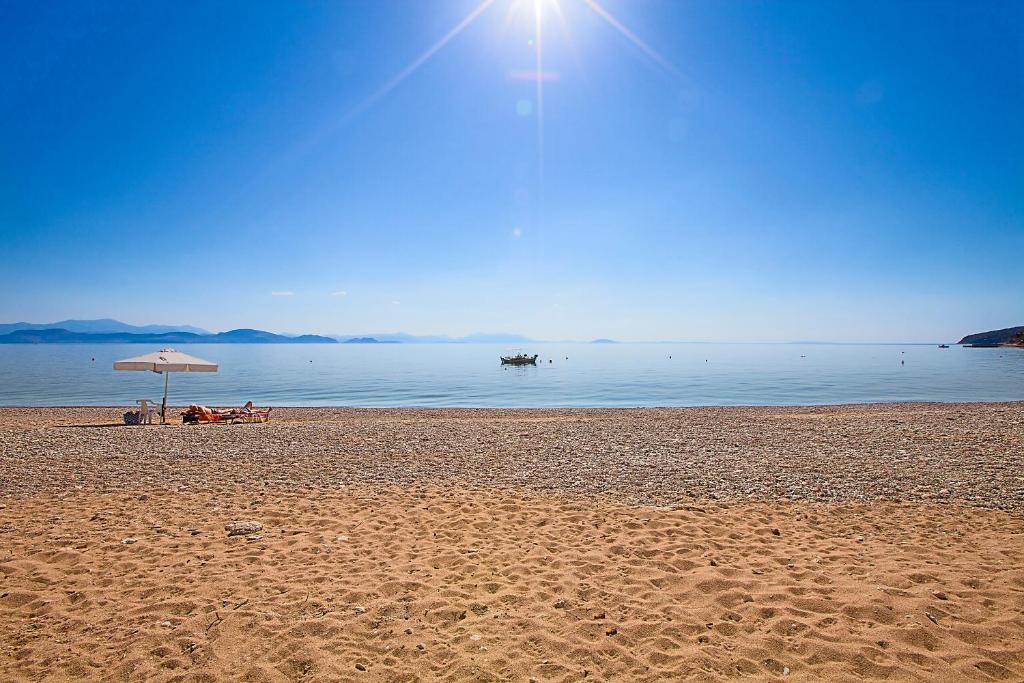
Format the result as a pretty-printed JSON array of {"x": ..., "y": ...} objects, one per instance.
[
  {"x": 1010, "y": 336},
  {"x": 368, "y": 340},
  {"x": 241, "y": 336},
  {"x": 604, "y": 341}
]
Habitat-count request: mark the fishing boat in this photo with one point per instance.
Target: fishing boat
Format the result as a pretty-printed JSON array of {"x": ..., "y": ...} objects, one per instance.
[
  {"x": 519, "y": 359},
  {"x": 943, "y": 346}
]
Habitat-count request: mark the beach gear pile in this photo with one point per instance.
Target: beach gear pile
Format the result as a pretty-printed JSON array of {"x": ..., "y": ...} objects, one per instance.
[{"x": 197, "y": 414}]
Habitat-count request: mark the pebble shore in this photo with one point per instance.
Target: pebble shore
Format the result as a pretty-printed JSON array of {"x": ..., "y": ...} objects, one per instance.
[{"x": 970, "y": 454}]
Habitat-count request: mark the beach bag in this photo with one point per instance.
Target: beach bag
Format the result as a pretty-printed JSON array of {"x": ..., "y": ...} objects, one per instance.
[{"x": 133, "y": 417}]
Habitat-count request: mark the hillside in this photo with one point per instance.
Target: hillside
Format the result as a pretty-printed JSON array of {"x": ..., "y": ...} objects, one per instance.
[
  {"x": 243, "y": 336},
  {"x": 1010, "y": 336}
]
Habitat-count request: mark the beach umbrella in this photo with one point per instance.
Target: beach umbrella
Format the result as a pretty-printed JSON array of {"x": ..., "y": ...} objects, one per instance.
[{"x": 166, "y": 361}]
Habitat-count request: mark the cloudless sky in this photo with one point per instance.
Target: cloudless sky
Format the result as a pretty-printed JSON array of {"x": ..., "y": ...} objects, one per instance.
[{"x": 695, "y": 170}]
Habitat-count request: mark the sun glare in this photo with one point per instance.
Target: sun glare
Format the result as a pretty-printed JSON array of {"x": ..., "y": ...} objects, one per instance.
[
  {"x": 520, "y": 8},
  {"x": 531, "y": 14}
]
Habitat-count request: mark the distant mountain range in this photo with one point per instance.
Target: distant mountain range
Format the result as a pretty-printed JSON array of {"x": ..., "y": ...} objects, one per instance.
[
  {"x": 104, "y": 325},
  {"x": 242, "y": 336},
  {"x": 478, "y": 338},
  {"x": 1009, "y": 336},
  {"x": 403, "y": 338},
  {"x": 107, "y": 330}
]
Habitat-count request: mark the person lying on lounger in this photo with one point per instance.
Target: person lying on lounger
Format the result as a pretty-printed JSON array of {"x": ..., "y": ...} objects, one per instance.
[{"x": 246, "y": 413}]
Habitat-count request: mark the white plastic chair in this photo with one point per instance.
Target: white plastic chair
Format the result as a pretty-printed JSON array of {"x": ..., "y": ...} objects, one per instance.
[{"x": 146, "y": 411}]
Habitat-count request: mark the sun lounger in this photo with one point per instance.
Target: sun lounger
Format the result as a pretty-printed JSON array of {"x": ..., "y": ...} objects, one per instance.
[
  {"x": 248, "y": 413},
  {"x": 197, "y": 414}
]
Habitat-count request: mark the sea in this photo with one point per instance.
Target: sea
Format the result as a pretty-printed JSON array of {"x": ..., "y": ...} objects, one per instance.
[{"x": 471, "y": 375}]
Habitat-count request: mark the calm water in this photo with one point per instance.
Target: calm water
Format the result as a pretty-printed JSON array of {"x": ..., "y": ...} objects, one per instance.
[{"x": 470, "y": 375}]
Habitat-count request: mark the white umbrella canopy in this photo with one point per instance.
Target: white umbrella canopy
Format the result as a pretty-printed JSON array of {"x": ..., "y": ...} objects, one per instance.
[{"x": 166, "y": 361}]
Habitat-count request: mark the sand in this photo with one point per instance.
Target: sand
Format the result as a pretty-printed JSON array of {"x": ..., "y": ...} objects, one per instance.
[{"x": 767, "y": 543}]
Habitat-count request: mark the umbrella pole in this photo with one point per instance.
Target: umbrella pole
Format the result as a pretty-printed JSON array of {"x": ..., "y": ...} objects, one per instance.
[{"x": 163, "y": 407}]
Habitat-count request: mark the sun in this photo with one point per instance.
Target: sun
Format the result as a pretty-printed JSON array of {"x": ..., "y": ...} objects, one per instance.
[
  {"x": 537, "y": 8},
  {"x": 540, "y": 9}
]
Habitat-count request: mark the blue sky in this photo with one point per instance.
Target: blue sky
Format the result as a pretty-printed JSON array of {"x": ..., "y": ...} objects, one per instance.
[{"x": 698, "y": 170}]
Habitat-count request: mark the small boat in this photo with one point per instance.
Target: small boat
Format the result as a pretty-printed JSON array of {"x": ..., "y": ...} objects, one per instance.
[
  {"x": 519, "y": 359},
  {"x": 943, "y": 346}
]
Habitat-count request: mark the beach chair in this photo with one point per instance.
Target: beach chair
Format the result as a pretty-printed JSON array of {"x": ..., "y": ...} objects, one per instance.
[
  {"x": 144, "y": 415},
  {"x": 147, "y": 409},
  {"x": 196, "y": 414},
  {"x": 249, "y": 414},
  {"x": 201, "y": 414}
]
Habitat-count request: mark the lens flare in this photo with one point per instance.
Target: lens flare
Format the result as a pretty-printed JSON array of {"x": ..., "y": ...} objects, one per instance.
[
  {"x": 419, "y": 61},
  {"x": 538, "y": 46},
  {"x": 633, "y": 38}
]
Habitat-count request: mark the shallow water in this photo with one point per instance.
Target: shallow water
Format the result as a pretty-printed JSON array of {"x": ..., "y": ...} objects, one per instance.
[{"x": 581, "y": 375}]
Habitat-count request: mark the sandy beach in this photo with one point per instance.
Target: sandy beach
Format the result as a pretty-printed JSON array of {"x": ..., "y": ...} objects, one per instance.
[{"x": 862, "y": 542}]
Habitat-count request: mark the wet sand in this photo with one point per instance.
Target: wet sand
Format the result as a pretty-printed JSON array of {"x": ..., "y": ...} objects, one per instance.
[{"x": 835, "y": 543}]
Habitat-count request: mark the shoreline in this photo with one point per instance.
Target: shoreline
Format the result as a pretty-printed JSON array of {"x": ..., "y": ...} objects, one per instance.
[
  {"x": 554, "y": 409},
  {"x": 971, "y": 453}
]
